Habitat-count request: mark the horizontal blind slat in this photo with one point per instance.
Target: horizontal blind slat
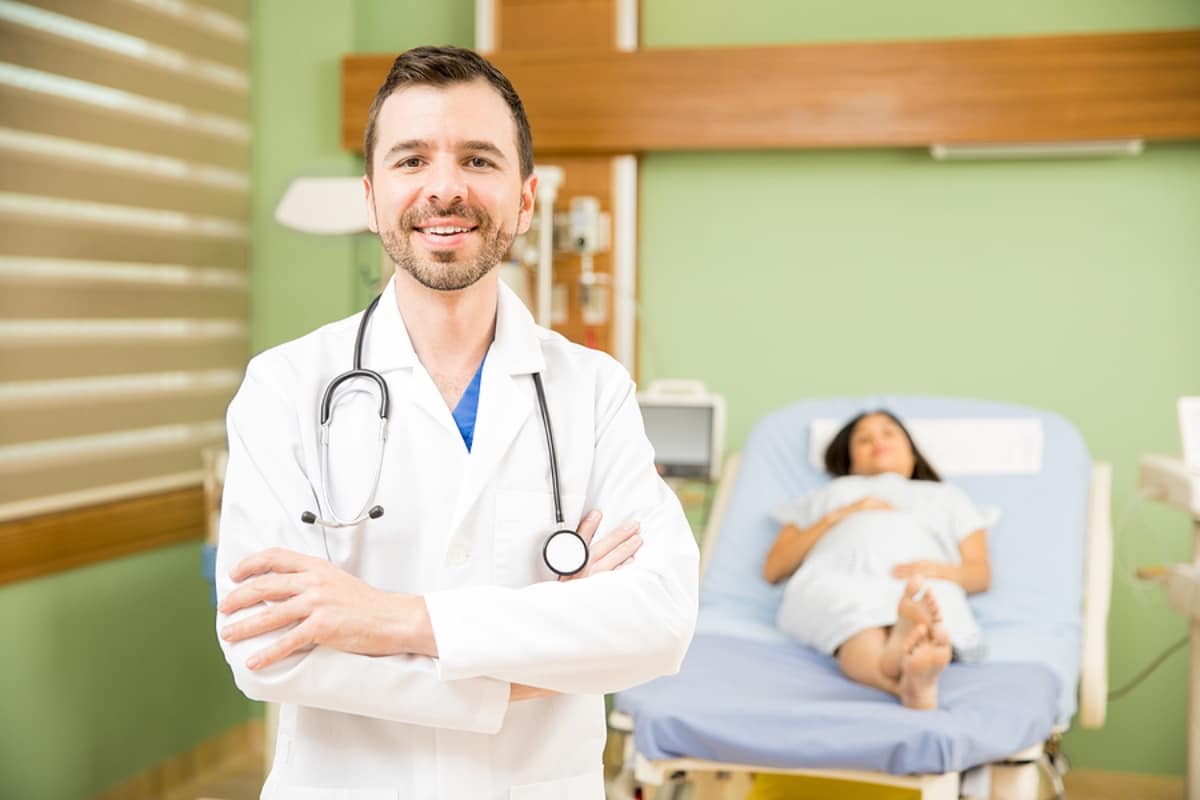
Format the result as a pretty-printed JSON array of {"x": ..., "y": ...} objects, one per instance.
[
  {"x": 50, "y": 239},
  {"x": 129, "y": 65},
  {"x": 81, "y": 416},
  {"x": 124, "y": 273},
  {"x": 27, "y": 300},
  {"x": 238, "y": 9},
  {"x": 41, "y": 173},
  {"x": 62, "y": 478},
  {"x": 223, "y": 43},
  {"x": 26, "y": 361},
  {"x": 44, "y": 113}
]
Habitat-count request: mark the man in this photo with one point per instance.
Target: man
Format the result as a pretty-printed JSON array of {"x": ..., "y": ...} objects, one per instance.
[{"x": 429, "y": 651}]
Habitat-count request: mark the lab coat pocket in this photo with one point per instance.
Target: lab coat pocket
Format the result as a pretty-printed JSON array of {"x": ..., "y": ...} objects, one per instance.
[
  {"x": 524, "y": 521},
  {"x": 588, "y": 786}
]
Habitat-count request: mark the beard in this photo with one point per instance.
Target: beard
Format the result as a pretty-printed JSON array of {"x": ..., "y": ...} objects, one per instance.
[{"x": 446, "y": 270}]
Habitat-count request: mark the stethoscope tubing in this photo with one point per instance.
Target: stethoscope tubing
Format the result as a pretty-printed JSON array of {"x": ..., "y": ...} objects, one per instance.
[{"x": 367, "y": 511}]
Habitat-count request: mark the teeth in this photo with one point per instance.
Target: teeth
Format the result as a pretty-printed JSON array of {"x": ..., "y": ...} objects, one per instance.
[{"x": 445, "y": 229}]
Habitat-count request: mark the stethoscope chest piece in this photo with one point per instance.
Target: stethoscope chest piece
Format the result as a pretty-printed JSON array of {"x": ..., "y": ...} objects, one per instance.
[{"x": 565, "y": 552}]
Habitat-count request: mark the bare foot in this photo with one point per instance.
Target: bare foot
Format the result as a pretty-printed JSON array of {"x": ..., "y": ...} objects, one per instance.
[
  {"x": 921, "y": 667},
  {"x": 917, "y": 607}
]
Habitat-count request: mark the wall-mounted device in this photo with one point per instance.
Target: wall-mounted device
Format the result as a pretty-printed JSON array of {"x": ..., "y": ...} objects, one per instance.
[{"x": 686, "y": 426}]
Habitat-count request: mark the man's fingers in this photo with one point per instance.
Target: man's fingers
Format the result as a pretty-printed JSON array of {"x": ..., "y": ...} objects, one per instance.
[
  {"x": 618, "y": 555},
  {"x": 588, "y": 526},
  {"x": 276, "y": 559},
  {"x": 614, "y": 540},
  {"x": 263, "y": 587},
  {"x": 272, "y": 618},
  {"x": 294, "y": 640}
]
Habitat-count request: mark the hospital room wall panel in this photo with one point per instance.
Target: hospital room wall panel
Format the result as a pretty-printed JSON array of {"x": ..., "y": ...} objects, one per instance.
[
  {"x": 573, "y": 24},
  {"x": 22, "y": 235}
]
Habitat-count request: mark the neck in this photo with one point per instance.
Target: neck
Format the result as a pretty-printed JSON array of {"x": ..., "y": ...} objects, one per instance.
[{"x": 450, "y": 331}]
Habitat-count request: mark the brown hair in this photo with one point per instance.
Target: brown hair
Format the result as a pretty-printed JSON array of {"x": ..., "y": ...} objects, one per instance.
[
  {"x": 446, "y": 66},
  {"x": 837, "y": 455}
]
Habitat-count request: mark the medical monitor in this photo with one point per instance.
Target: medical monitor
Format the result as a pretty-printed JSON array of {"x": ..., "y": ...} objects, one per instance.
[{"x": 686, "y": 426}]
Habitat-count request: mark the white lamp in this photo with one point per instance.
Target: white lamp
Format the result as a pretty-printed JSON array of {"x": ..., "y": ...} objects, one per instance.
[{"x": 327, "y": 206}]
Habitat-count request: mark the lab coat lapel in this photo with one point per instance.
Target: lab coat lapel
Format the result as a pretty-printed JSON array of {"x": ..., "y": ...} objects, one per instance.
[
  {"x": 388, "y": 347},
  {"x": 507, "y": 399}
]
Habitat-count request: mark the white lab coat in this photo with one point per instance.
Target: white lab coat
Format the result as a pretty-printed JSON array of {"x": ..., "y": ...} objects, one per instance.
[{"x": 465, "y": 530}]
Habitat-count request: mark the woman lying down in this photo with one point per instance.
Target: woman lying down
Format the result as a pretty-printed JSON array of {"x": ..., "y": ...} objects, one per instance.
[{"x": 879, "y": 563}]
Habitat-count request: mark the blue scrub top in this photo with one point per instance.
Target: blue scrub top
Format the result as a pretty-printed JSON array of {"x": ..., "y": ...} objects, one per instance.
[{"x": 468, "y": 405}]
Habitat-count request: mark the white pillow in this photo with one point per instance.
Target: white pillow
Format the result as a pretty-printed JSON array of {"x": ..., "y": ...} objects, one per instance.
[{"x": 958, "y": 446}]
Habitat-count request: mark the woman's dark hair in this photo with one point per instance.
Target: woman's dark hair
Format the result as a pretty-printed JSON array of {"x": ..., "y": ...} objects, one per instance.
[{"x": 837, "y": 455}]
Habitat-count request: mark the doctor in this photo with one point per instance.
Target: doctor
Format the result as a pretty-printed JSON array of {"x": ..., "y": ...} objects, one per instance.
[{"x": 430, "y": 651}]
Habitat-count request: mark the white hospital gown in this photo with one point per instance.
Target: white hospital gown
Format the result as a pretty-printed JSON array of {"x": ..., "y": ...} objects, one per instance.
[{"x": 845, "y": 584}]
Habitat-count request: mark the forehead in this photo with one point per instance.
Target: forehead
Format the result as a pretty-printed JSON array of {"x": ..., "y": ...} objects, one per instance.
[
  {"x": 875, "y": 422},
  {"x": 446, "y": 115}
]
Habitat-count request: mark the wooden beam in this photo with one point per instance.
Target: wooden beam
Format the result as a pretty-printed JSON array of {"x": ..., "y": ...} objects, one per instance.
[
  {"x": 53, "y": 542},
  {"x": 887, "y": 94}
]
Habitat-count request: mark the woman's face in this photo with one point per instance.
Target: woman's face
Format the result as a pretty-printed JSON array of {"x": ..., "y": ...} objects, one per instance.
[{"x": 878, "y": 445}]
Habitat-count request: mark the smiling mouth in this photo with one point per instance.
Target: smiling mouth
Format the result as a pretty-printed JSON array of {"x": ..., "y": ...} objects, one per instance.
[{"x": 446, "y": 230}]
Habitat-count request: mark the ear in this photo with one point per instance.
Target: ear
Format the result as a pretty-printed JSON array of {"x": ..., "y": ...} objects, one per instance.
[
  {"x": 372, "y": 222},
  {"x": 528, "y": 199}
]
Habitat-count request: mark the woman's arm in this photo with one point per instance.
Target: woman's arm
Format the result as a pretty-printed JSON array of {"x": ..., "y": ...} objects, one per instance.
[
  {"x": 974, "y": 574},
  {"x": 793, "y": 544}
]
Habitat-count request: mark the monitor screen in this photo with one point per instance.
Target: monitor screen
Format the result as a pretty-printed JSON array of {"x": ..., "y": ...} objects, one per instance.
[{"x": 681, "y": 436}]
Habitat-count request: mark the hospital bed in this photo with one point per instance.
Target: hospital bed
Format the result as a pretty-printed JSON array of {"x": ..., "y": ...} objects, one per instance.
[{"x": 747, "y": 700}]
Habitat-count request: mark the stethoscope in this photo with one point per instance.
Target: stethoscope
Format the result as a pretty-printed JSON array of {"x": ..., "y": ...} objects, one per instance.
[{"x": 565, "y": 552}]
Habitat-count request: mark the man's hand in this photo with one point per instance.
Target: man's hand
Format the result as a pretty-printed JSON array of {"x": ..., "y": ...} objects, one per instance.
[
  {"x": 614, "y": 552},
  {"x": 322, "y": 604}
]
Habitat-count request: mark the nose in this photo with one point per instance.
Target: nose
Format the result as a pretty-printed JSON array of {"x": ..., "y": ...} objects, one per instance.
[{"x": 446, "y": 184}]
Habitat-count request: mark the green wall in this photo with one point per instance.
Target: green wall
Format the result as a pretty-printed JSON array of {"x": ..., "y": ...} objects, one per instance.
[{"x": 106, "y": 671}]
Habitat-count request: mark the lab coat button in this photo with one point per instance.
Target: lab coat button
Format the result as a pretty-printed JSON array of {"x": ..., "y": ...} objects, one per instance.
[{"x": 458, "y": 555}]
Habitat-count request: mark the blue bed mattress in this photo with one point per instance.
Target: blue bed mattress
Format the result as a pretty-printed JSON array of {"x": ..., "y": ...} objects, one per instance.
[
  {"x": 746, "y": 694},
  {"x": 778, "y": 704}
]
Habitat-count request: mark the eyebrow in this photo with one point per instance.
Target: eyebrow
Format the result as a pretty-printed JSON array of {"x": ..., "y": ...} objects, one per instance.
[{"x": 472, "y": 146}]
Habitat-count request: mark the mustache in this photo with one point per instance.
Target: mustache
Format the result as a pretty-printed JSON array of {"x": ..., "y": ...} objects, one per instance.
[{"x": 415, "y": 217}]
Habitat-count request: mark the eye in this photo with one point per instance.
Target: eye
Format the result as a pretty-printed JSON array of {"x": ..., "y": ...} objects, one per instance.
[
  {"x": 478, "y": 162},
  {"x": 412, "y": 162}
]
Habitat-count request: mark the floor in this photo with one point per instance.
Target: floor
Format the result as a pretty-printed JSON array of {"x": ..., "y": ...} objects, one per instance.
[{"x": 241, "y": 780}]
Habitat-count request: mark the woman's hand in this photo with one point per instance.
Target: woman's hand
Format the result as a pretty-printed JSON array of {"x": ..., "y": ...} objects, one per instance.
[
  {"x": 865, "y": 504},
  {"x": 924, "y": 569}
]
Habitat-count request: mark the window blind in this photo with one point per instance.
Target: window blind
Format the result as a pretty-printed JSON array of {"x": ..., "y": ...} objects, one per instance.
[{"x": 124, "y": 196}]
